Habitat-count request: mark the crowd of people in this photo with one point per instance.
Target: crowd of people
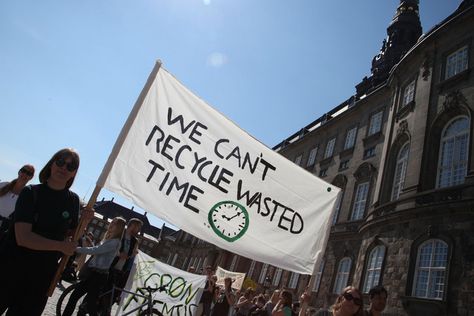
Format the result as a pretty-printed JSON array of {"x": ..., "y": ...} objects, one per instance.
[
  {"x": 224, "y": 301},
  {"x": 36, "y": 225}
]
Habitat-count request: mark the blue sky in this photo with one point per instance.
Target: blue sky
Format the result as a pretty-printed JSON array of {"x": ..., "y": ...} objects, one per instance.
[{"x": 70, "y": 71}]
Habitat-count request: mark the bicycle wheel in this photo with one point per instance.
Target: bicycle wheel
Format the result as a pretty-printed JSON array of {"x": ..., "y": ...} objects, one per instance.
[
  {"x": 153, "y": 312},
  {"x": 64, "y": 298}
]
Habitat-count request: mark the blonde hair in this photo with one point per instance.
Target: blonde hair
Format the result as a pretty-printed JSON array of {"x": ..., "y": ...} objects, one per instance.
[{"x": 120, "y": 222}]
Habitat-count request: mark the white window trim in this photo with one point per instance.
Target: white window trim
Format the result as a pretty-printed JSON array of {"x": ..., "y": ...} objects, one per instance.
[
  {"x": 342, "y": 277},
  {"x": 360, "y": 202},
  {"x": 277, "y": 277},
  {"x": 234, "y": 263},
  {"x": 430, "y": 269},
  {"x": 374, "y": 268},
  {"x": 456, "y": 62},
  {"x": 375, "y": 123},
  {"x": 408, "y": 93},
  {"x": 293, "y": 282},
  {"x": 252, "y": 268},
  {"x": 330, "y": 148},
  {"x": 400, "y": 172},
  {"x": 298, "y": 160},
  {"x": 443, "y": 141},
  {"x": 319, "y": 276},
  {"x": 312, "y": 156},
  {"x": 350, "y": 138},
  {"x": 263, "y": 273}
]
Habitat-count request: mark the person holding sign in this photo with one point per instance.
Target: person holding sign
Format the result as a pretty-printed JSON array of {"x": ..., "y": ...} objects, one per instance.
[
  {"x": 44, "y": 217},
  {"x": 103, "y": 255},
  {"x": 225, "y": 299}
]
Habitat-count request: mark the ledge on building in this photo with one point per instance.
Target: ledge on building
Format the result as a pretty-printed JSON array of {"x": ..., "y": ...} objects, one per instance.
[
  {"x": 422, "y": 306},
  {"x": 403, "y": 111},
  {"x": 454, "y": 80},
  {"x": 369, "y": 140}
]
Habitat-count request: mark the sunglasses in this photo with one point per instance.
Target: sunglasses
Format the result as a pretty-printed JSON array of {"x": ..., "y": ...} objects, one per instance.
[
  {"x": 70, "y": 166},
  {"x": 349, "y": 297},
  {"x": 27, "y": 172}
]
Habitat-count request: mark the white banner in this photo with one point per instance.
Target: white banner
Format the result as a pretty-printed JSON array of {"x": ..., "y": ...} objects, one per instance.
[
  {"x": 189, "y": 165},
  {"x": 181, "y": 290},
  {"x": 238, "y": 278}
]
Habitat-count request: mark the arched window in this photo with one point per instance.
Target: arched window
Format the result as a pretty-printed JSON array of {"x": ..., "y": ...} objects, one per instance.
[
  {"x": 342, "y": 276},
  {"x": 374, "y": 268},
  {"x": 454, "y": 149},
  {"x": 430, "y": 272},
  {"x": 400, "y": 171}
]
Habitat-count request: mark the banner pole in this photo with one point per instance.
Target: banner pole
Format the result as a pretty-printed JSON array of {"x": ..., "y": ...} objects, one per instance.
[{"x": 106, "y": 170}]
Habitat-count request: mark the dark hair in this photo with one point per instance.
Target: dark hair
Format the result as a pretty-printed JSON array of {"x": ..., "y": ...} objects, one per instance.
[
  {"x": 10, "y": 185},
  {"x": 45, "y": 173},
  {"x": 135, "y": 221},
  {"x": 287, "y": 298},
  {"x": 377, "y": 290}
]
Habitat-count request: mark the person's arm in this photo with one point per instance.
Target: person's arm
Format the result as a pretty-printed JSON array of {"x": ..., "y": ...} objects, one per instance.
[
  {"x": 25, "y": 237},
  {"x": 230, "y": 297},
  {"x": 108, "y": 246},
  {"x": 242, "y": 301}
]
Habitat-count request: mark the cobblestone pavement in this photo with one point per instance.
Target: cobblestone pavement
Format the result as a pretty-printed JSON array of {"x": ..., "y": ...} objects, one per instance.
[{"x": 50, "y": 309}]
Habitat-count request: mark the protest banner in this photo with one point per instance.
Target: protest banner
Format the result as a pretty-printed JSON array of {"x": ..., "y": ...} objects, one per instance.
[
  {"x": 186, "y": 163},
  {"x": 237, "y": 278},
  {"x": 181, "y": 290}
]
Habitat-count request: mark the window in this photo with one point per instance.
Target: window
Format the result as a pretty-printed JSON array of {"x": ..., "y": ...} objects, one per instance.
[
  {"x": 198, "y": 266},
  {"x": 374, "y": 268},
  {"x": 360, "y": 201},
  {"x": 456, "y": 62},
  {"x": 277, "y": 277},
  {"x": 342, "y": 276},
  {"x": 408, "y": 93},
  {"x": 251, "y": 269},
  {"x": 294, "y": 278},
  {"x": 338, "y": 208},
  {"x": 454, "y": 147},
  {"x": 330, "y": 148},
  {"x": 400, "y": 171},
  {"x": 323, "y": 172},
  {"x": 263, "y": 273},
  {"x": 298, "y": 160},
  {"x": 319, "y": 275},
  {"x": 344, "y": 165},
  {"x": 183, "y": 267},
  {"x": 350, "y": 138},
  {"x": 312, "y": 156},
  {"x": 375, "y": 124},
  {"x": 430, "y": 273},
  {"x": 369, "y": 152},
  {"x": 233, "y": 265}
]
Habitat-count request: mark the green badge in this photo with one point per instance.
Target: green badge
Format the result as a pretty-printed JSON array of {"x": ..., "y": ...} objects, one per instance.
[{"x": 65, "y": 214}]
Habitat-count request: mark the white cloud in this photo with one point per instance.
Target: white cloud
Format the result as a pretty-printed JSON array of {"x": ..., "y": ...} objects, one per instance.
[{"x": 217, "y": 60}]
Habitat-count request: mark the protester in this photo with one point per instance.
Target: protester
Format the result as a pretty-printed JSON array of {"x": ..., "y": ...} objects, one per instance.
[
  {"x": 245, "y": 302},
  {"x": 348, "y": 303},
  {"x": 44, "y": 216},
  {"x": 9, "y": 192},
  {"x": 378, "y": 300},
  {"x": 270, "y": 305},
  {"x": 283, "y": 307},
  {"x": 258, "y": 309},
  {"x": 87, "y": 240},
  {"x": 103, "y": 255},
  {"x": 204, "y": 307},
  {"x": 225, "y": 300}
]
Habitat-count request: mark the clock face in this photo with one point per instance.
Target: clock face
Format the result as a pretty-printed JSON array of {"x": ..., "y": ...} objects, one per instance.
[{"x": 229, "y": 220}]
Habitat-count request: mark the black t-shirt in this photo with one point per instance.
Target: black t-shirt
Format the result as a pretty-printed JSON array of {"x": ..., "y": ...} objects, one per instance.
[{"x": 52, "y": 214}]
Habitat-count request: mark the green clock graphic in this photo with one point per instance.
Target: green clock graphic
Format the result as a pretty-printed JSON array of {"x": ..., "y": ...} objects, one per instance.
[{"x": 229, "y": 220}]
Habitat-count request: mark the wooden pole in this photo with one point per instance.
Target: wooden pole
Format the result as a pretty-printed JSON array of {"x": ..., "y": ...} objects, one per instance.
[
  {"x": 77, "y": 234},
  {"x": 106, "y": 170}
]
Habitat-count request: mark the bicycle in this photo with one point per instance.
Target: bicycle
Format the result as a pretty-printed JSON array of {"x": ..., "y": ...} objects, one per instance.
[{"x": 144, "y": 309}]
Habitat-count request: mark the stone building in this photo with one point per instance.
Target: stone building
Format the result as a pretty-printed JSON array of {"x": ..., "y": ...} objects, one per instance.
[{"x": 401, "y": 150}]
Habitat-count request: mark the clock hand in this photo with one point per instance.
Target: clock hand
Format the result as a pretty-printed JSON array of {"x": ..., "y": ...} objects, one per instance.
[
  {"x": 223, "y": 216},
  {"x": 238, "y": 213}
]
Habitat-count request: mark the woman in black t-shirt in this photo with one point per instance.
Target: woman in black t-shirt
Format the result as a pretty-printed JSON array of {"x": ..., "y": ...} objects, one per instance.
[{"x": 44, "y": 217}]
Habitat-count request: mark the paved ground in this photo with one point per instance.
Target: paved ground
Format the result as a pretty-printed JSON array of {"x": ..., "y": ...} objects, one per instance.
[{"x": 50, "y": 309}]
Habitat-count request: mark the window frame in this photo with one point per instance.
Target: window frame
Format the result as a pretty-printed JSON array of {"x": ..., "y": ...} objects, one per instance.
[
  {"x": 263, "y": 273},
  {"x": 417, "y": 269},
  {"x": 353, "y": 137},
  {"x": 312, "y": 156},
  {"x": 357, "y": 202},
  {"x": 371, "y": 130},
  {"x": 442, "y": 141},
  {"x": 399, "y": 187},
  {"x": 319, "y": 276},
  {"x": 411, "y": 93},
  {"x": 329, "y": 150},
  {"x": 293, "y": 280},
  {"x": 345, "y": 276},
  {"x": 370, "y": 270},
  {"x": 447, "y": 74}
]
